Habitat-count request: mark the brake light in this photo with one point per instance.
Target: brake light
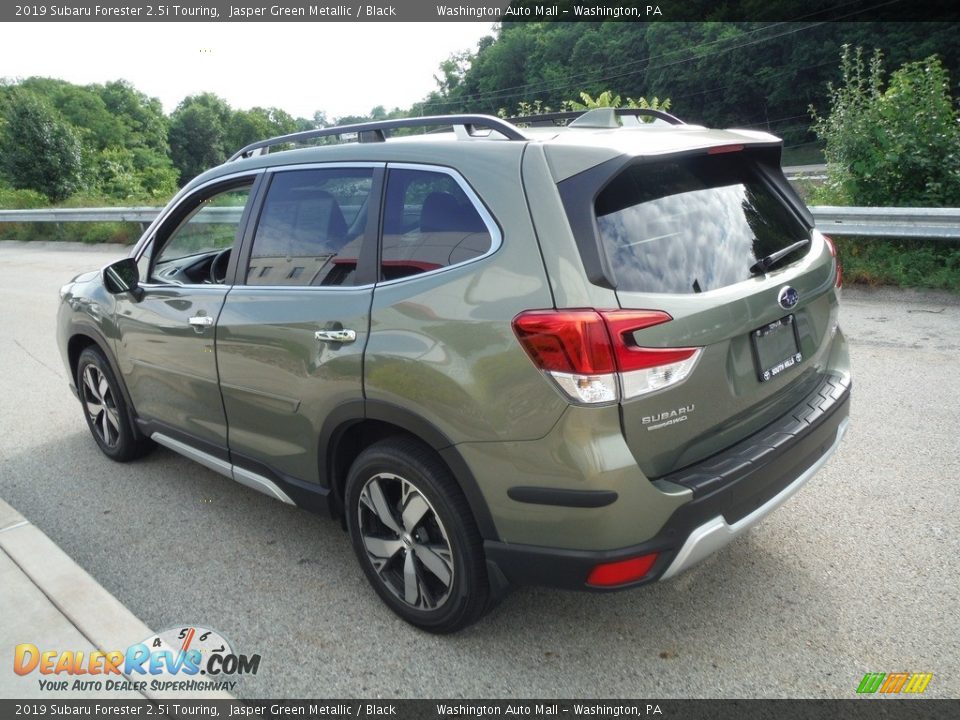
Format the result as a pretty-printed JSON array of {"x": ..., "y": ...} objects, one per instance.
[
  {"x": 622, "y": 571},
  {"x": 720, "y": 149},
  {"x": 593, "y": 356},
  {"x": 834, "y": 254}
]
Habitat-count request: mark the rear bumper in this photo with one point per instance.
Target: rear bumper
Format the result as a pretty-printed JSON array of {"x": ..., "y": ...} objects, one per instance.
[
  {"x": 706, "y": 539},
  {"x": 732, "y": 491}
]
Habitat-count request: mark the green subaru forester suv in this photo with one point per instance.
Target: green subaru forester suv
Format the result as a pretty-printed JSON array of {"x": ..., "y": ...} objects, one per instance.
[{"x": 579, "y": 350}]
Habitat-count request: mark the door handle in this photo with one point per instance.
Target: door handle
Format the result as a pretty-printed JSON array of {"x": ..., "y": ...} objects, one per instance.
[
  {"x": 201, "y": 321},
  {"x": 336, "y": 336}
]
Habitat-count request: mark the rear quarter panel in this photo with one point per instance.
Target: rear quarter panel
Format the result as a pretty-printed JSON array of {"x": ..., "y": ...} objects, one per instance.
[{"x": 441, "y": 345}]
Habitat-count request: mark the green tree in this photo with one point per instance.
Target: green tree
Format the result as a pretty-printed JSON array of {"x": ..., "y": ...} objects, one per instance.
[
  {"x": 123, "y": 135},
  {"x": 83, "y": 108},
  {"x": 893, "y": 145},
  {"x": 247, "y": 126},
  {"x": 38, "y": 150},
  {"x": 142, "y": 116},
  {"x": 607, "y": 99},
  {"x": 198, "y": 134},
  {"x": 722, "y": 74}
]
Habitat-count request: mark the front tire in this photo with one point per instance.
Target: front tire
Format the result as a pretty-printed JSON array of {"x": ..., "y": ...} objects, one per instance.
[
  {"x": 107, "y": 414},
  {"x": 415, "y": 537}
]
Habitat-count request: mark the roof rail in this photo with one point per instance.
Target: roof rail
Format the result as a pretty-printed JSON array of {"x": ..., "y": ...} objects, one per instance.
[
  {"x": 549, "y": 119},
  {"x": 465, "y": 126}
]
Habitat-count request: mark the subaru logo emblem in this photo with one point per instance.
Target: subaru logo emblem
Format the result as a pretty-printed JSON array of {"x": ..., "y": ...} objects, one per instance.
[{"x": 787, "y": 297}]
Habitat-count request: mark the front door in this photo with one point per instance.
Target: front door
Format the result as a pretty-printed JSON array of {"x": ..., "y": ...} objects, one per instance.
[{"x": 166, "y": 339}]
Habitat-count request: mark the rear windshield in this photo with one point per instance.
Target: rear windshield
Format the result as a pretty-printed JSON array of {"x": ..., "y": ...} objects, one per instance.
[{"x": 692, "y": 224}]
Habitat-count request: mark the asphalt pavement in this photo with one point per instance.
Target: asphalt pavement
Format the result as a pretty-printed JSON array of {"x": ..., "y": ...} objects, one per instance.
[{"x": 857, "y": 573}]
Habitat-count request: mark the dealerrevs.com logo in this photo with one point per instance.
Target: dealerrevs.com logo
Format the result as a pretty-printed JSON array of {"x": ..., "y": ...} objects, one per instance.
[{"x": 180, "y": 659}]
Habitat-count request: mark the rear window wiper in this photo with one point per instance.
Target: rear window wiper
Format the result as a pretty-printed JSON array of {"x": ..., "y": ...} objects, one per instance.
[{"x": 765, "y": 263}]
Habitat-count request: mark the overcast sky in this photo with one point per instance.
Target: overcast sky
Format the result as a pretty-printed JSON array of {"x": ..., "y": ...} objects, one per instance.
[{"x": 340, "y": 68}]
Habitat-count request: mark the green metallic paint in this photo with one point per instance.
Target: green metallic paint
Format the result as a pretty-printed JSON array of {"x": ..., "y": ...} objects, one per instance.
[
  {"x": 442, "y": 346},
  {"x": 168, "y": 365},
  {"x": 730, "y": 402},
  {"x": 279, "y": 382},
  {"x": 585, "y": 450},
  {"x": 561, "y": 256}
]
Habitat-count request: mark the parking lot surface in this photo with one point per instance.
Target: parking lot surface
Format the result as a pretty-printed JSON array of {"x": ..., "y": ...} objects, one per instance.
[{"x": 857, "y": 573}]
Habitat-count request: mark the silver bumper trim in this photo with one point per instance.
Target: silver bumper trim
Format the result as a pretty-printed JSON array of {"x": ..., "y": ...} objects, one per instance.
[{"x": 714, "y": 534}]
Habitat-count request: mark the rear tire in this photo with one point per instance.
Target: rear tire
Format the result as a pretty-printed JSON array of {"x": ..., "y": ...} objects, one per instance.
[
  {"x": 107, "y": 414},
  {"x": 415, "y": 537}
]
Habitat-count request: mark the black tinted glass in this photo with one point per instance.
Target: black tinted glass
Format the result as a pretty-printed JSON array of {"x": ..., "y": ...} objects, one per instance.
[
  {"x": 429, "y": 223},
  {"x": 692, "y": 225},
  {"x": 311, "y": 228}
]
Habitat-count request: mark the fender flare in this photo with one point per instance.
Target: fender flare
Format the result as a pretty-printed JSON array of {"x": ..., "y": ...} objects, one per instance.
[
  {"x": 356, "y": 411},
  {"x": 91, "y": 332}
]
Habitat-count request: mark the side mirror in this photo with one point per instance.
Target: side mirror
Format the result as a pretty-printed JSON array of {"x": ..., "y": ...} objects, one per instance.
[{"x": 123, "y": 276}]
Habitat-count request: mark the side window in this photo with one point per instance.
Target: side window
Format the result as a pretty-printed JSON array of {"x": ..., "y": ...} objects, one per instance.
[
  {"x": 311, "y": 228},
  {"x": 429, "y": 223},
  {"x": 198, "y": 250}
]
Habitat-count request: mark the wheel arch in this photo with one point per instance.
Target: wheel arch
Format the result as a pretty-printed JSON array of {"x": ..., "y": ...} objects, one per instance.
[
  {"x": 83, "y": 337},
  {"x": 356, "y": 425}
]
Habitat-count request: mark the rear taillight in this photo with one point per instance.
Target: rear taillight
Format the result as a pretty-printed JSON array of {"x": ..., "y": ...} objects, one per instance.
[
  {"x": 836, "y": 260},
  {"x": 593, "y": 355}
]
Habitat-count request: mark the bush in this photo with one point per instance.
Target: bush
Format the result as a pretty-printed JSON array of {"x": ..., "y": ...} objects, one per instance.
[
  {"x": 13, "y": 199},
  {"x": 898, "y": 146},
  {"x": 904, "y": 263},
  {"x": 38, "y": 149}
]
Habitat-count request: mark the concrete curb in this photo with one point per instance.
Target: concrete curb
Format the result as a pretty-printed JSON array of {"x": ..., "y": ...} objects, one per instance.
[{"x": 102, "y": 619}]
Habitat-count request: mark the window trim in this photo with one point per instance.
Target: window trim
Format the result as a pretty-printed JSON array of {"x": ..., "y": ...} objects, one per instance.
[
  {"x": 178, "y": 205},
  {"x": 370, "y": 239},
  {"x": 493, "y": 227}
]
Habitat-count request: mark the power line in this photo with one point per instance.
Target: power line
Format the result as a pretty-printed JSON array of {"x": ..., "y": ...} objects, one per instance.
[{"x": 569, "y": 82}]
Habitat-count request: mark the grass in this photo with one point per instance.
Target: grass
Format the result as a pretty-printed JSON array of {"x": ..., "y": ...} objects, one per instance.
[
  {"x": 903, "y": 263},
  {"x": 85, "y": 232},
  {"x": 806, "y": 154}
]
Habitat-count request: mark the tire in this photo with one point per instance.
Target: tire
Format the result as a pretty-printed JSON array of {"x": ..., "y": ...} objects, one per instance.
[
  {"x": 107, "y": 414},
  {"x": 429, "y": 566}
]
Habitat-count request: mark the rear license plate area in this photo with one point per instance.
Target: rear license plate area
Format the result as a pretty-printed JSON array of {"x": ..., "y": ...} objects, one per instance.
[{"x": 776, "y": 348}]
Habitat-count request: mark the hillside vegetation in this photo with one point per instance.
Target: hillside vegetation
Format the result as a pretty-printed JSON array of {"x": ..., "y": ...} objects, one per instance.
[{"x": 886, "y": 122}]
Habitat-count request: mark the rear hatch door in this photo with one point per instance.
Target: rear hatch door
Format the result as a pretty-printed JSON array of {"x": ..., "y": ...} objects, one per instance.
[{"x": 684, "y": 235}]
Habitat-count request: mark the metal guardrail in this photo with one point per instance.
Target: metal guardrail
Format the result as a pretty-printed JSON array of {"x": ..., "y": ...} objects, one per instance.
[
  {"x": 930, "y": 223},
  {"x": 806, "y": 172},
  {"x": 141, "y": 215},
  {"x": 106, "y": 214}
]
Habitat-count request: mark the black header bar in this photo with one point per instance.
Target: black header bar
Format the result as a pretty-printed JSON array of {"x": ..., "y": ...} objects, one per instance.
[{"x": 488, "y": 11}]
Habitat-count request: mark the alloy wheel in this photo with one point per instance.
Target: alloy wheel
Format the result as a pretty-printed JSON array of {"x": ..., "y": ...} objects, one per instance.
[
  {"x": 98, "y": 401},
  {"x": 405, "y": 541}
]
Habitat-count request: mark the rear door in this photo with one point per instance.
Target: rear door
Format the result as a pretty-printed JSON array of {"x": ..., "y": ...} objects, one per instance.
[
  {"x": 684, "y": 235},
  {"x": 291, "y": 334}
]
